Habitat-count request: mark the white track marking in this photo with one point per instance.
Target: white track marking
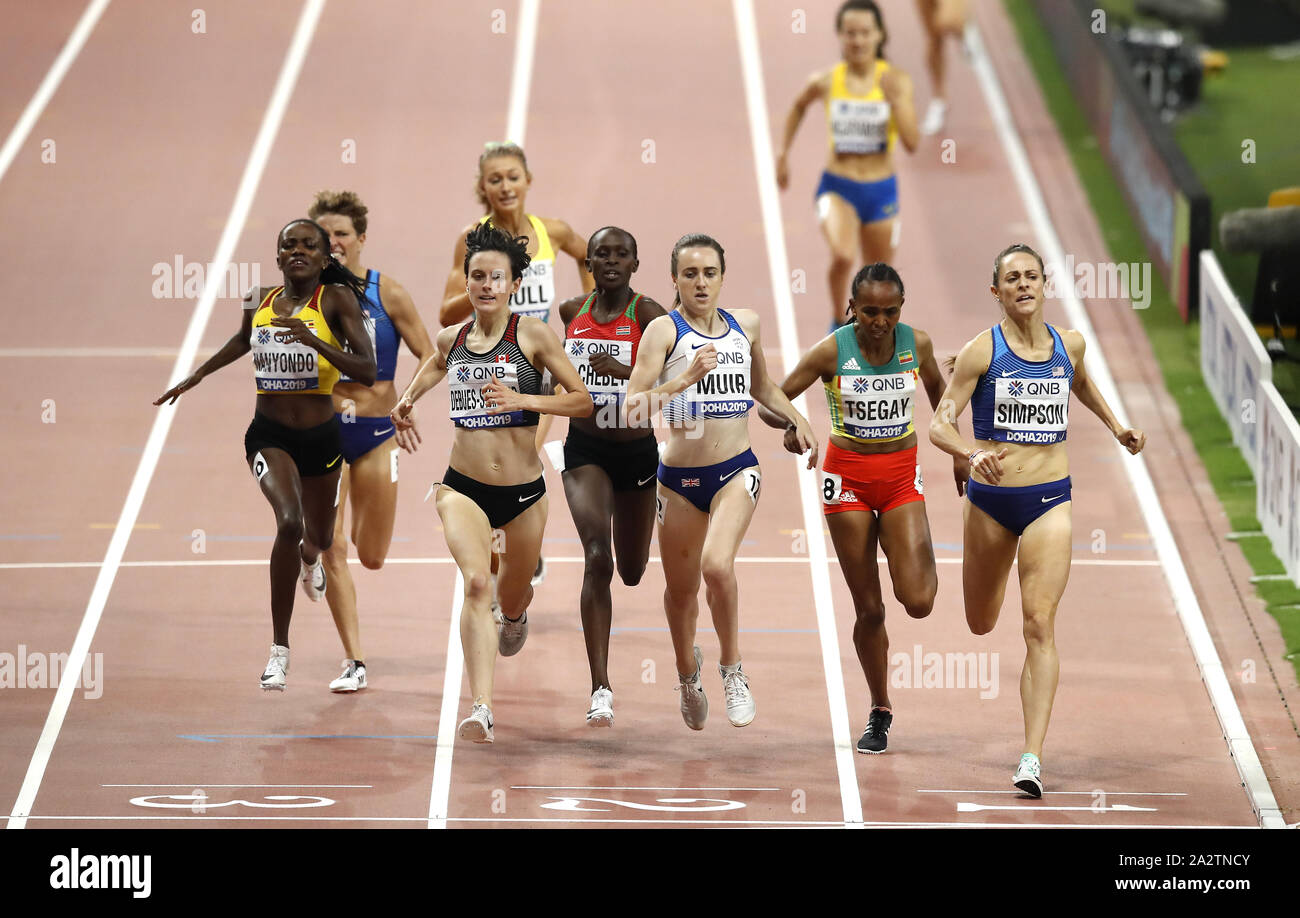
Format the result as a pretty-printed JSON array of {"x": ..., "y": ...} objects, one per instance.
[
  {"x": 521, "y": 79},
  {"x": 254, "y": 562},
  {"x": 32, "y": 113},
  {"x": 163, "y": 420},
  {"x": 516, "y": 123},
  {"x": 1240, "y": 746},
  {"x": 778, "y": 263}
]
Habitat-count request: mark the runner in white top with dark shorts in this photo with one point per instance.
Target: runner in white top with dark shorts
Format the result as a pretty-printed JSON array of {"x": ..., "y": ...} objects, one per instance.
[{"x": 707, "y": 365}]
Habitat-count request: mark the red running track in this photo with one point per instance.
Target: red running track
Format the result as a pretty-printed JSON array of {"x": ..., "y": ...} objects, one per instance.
[{"x": 181, "y": 735}]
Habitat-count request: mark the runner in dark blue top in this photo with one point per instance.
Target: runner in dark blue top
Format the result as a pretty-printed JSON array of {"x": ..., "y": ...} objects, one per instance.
[
  {"x": 370, "y": 439},
  {"x": 1018, "y": 377}
]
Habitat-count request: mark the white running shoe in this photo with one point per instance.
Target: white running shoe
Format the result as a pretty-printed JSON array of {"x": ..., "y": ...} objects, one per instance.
[
  {"x": 695, "y": 706},
  {"x": 540, "y": 573},
  {"x": 353, "y": 678},
  {"x": 601, "y": 712},
  {"x": 477, "y": 728},
  {"x": 313, "y": 579},
  {"x": 277, "y": 668},
  {"x": 934, "y": 117},
  {"x": 1028, "y": 775},
  {"x": 740, "y": 702},
  {"x": 510, "y": 634}
]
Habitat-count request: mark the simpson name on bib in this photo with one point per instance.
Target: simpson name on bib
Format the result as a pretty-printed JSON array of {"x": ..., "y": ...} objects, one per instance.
[{"x": 1031, "y": 410}]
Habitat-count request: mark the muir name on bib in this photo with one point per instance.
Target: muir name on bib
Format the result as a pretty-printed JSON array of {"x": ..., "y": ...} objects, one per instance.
[
  {"x": 1031, "y": 410},
  {"x": 878, "y": 407},
  {"x": 604, "y": 389},
  {"x": 465, "y": 393},
  {"x": 724, "y": 390}
]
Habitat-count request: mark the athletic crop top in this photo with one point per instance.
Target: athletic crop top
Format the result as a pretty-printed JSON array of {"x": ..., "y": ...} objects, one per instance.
[
  {"x": 468, "y": 373},
  {"x": 871, "y": 404},
  {"x": 859, "y": 124},
  {"x": 585, "y": 337},
  {"x": 1023, "y": 401},
  {"x": 724, "y": 391},
  {"x": 384, "y": 339},
  {"x": 536, "y": 290},
  {"x": 281, "y": 367}
]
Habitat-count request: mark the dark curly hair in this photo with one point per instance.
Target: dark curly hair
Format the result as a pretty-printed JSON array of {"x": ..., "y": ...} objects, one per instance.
[{"x": 487, "y": 238}]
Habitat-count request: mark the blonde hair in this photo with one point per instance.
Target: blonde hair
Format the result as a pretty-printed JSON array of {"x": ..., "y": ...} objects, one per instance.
[{"x": 492, "y": 151}]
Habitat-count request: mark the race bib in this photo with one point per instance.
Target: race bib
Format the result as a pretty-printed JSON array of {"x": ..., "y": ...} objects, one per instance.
[
  {"x": 280, "y": 365},
  {"x": 465, "y": 393},
  {"x": 1031, "y": 410},
  {"x": 724, "y": 390},
  {"x": 536, "y": 291},
  {"x": 877, "y": 407},
  {"x": 859, "y": 126},
  {"x": 604, "y": 389}
]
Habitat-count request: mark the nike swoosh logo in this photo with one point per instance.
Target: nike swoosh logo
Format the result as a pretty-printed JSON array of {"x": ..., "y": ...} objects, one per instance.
[
  {"x": 1048, "y": 500},
  {"x": 530, "y": 497},
  {"x": 696, "y": 347},
  {"x": 644, "y": 480},
  {"x": 1006, "y": 373},
  {"x": 728, "y": 475},
  {"x": 380, "y": 433},
  {"x": 330, "y": 465}
]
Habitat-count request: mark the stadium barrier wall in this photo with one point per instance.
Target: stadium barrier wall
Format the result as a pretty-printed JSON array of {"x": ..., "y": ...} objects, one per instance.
[{"x": 1168, "y": 202}]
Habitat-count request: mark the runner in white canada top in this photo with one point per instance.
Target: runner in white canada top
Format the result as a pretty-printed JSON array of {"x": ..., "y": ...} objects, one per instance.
[{"x": 1017, "y": 377}]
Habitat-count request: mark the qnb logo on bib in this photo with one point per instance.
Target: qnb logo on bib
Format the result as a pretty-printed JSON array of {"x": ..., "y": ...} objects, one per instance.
[
  {"x": 604, "y": 389},
  {"x": 877, "y": 407},
  {"x": 468, "y": 409},
  {"x": 536, "y": 291},
  {"x": 1031, "y": 410}
]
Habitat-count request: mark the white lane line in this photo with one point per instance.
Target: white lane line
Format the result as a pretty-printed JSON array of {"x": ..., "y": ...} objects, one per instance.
[
  {"x": 1054, "y": 793},
  {"x": 32, "y": 113},
  {"x": 1189, "y": 610},
  {"x": 163, "y": 420},
  {"x": 62, "y": 352},
  {"x": 516, "y": 123},
  {"x": 521, "y": 79},
  {"x": 204, "y": 784},
  {"x": 734, "y": 823},
  {"x": 1035, "y": 808},
  {"x": 620, "y": 787},
  {"x": 778, "y": 263},
  {"x": 254, "y": 562},
  {"x": 447, "y": 717}
]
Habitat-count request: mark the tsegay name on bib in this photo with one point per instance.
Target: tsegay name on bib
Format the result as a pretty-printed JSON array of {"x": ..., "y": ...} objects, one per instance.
[{"x": 877, "y": 407}]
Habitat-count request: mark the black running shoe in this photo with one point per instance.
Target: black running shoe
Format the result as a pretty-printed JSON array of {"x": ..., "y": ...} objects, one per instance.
[{"x": 876, "y": 737}]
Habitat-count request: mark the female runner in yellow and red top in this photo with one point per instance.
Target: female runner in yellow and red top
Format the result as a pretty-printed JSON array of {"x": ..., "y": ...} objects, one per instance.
[{"x": 302, "y": 334}]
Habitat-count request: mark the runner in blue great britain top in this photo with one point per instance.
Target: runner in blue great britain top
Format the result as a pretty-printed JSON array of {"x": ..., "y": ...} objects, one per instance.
[
  {"x": 609, "y": 467},
  {"x": 708, "y": 364},
  {"x": 1018, "y": 377}
]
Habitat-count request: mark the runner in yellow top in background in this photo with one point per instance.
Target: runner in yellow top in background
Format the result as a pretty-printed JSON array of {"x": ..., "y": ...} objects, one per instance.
[{"x": 868, "y": 106}]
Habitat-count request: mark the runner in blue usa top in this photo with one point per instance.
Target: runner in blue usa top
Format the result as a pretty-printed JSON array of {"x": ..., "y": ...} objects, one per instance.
[{"x": 1018, "y": 377}]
